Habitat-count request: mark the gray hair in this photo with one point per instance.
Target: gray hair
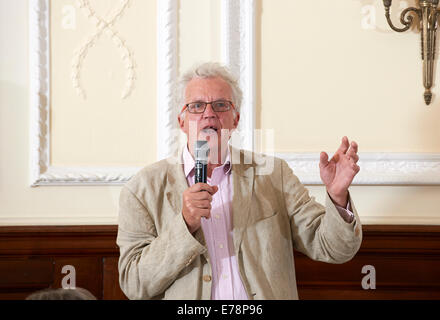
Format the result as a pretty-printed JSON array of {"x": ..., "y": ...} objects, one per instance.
[
  {"x": 209, "y": 70},
  {"x": 62, "y": 294}
]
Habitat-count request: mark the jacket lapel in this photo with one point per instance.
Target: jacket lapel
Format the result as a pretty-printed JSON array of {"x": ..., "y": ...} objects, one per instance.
[{"x": 243, "y": 180}]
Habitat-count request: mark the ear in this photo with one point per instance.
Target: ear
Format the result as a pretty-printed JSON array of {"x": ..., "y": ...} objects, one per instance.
[
  {"x": 181, "y": 120},
  {"x": 236, "y": 120}
]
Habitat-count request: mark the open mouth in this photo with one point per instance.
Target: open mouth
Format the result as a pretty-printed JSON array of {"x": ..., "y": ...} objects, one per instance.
[{"x": 210, "y": 130}]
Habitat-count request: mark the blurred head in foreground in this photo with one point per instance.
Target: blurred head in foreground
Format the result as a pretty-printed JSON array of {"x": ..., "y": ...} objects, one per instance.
[{"x": 62, "y": 294}]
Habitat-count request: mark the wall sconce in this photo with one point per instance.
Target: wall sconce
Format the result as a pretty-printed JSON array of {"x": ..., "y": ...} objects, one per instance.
[{"x": 427, "y": 14}]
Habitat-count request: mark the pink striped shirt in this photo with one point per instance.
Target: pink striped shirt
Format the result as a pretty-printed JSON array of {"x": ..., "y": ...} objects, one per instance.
[{"x": 226, "y": 280}]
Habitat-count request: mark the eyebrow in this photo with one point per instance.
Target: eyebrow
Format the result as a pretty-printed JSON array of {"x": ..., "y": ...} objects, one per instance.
[{"x": 202, "y": 100}]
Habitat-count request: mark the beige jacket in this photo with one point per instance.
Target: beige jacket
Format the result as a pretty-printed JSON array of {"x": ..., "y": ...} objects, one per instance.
[{"x": 272, "y": 215}]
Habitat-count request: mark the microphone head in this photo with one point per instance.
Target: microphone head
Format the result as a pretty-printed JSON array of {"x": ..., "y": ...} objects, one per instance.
[{"x": 201, "y": 150}]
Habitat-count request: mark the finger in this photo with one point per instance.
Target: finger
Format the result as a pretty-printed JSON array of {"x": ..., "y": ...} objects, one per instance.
[
  {"x": 354, "y": 158},
  {"x": 201, "y": 195},
  {"x": 202, "y": 204},
  {"x": 205, "y": 187},
  {"x": 323, "y": 159},
  {"x": 354, "y": 146},
  {"x": 200, "y": 186},
  {"x": 344, "y": 146},
  {"x": 196, "y": 213},
  {"x": 206, "y": 213},
  {"x": 355, "y": 167},
  {"x": 335, "y": 158},
  {"x": 353, "y": 149}
]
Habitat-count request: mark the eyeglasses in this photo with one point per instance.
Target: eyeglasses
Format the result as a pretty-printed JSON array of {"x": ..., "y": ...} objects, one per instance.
[{"x": 217, "y": 106}]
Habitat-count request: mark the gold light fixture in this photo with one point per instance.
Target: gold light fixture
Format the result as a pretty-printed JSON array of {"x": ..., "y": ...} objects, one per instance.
[{"x": 428, "y": 15}]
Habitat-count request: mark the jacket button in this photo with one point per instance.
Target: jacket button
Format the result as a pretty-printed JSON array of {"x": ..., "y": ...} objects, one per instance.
[{"x": 206, "y": 278}]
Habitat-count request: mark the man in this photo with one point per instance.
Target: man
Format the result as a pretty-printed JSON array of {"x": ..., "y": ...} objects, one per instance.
[{"x": 232, "y": 238}]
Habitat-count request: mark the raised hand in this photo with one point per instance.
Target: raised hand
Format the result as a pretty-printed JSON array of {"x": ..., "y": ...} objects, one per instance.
[{"x": 338, "y": 173}]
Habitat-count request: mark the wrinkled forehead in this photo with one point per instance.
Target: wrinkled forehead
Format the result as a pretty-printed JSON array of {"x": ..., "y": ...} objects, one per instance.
[{"x": 207, "y": 89}]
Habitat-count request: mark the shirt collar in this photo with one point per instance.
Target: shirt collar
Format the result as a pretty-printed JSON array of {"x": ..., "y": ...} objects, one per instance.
[{"x": 189, "y": 163}]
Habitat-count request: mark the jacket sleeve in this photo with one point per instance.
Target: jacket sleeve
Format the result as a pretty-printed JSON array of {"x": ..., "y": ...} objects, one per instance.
[
  {"x": 150, "y": 262},
  {"x": 317, "y": 231}
]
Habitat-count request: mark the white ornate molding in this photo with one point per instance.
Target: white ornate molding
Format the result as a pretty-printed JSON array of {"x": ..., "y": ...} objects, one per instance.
[
  {"x": 238, "y": 52},
  {"x": 103, "y": 26},
  {"x": 61, "y": 176},
  {"x": 167, "y": 62},
  {"x": 394, "y": 220},
  {"x": 39, "y": 88},
  {"x": 41, "y": 171},
  {"x": 376, "y": 168}
]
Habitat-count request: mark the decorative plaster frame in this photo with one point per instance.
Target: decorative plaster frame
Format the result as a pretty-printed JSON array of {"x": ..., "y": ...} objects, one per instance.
[
  {"x": 41, "y": 172},
  {"x": 239, "y": 52},
  {"x": 376, "y": 168}
]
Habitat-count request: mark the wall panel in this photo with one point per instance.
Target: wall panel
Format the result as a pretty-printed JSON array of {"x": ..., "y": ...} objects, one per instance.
[{"x": 406, "y": 261}]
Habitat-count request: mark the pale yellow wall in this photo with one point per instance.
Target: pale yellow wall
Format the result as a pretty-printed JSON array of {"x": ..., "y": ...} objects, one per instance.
[
  {"x": 114, "y": 131},
  {"x": 199, "y": 32},
  {"x": 324, "y": 76},
  {"x": 317, "y": 80},
  {"x": 325, "y": 71}
]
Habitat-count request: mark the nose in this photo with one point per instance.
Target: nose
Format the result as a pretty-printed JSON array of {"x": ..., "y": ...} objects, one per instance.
[{"x": 209, "y": 112}]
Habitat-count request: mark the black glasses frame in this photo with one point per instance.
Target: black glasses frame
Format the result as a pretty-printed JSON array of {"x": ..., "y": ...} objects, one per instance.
[{"x": 205, "y": 104}]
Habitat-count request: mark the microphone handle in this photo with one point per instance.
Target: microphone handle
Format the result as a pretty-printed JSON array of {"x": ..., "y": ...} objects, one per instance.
[{"x": 201, "y": 174}]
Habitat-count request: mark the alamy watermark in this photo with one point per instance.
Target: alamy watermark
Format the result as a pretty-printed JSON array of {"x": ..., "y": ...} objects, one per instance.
[
  {"x": 369, "y": 280},
  {"x": 69, "y": 280},
  {"x": 68, "y": 21},
  {"x": 375, "y": 11}
]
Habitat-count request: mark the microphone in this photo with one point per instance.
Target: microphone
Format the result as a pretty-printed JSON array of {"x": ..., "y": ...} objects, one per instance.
[{"x": 201, "y": 153}]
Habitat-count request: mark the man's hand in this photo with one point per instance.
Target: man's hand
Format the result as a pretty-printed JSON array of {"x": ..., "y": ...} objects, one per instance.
[
  {"x": 338, "y": 173},
  {"x": 197, "y": 204}
]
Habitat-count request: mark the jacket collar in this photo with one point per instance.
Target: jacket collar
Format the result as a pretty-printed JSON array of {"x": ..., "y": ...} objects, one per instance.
[{"x": 243, "y": 171}]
